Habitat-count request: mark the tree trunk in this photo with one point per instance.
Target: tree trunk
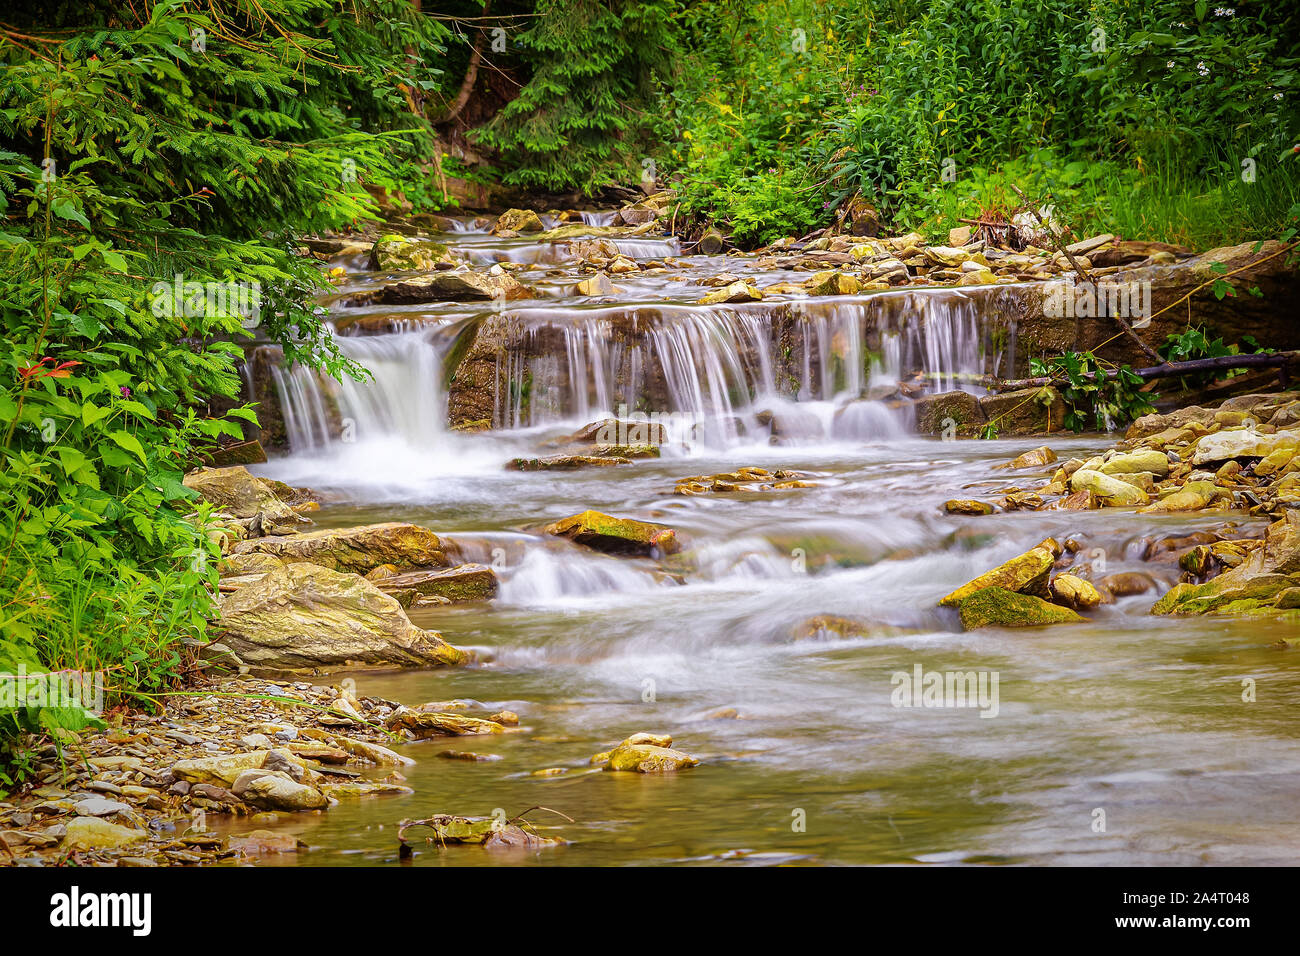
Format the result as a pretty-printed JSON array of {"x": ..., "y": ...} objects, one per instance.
[{"x": 467, "y": 84}]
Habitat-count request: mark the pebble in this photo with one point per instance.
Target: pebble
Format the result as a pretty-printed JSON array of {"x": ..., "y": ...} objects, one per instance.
[{"x": 100, "y": 807}]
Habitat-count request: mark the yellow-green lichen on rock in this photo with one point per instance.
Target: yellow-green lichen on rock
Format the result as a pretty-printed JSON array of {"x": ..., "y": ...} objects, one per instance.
[
  {"x": 1026, "y": 573},
  {"x": 602, "y": 532},
  {"x": 303, "y": 617}
]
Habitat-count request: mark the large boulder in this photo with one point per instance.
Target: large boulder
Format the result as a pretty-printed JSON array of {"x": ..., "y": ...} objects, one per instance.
[
  {"x": 948, "y": 413},
  {"x": 303, "y": 618},
  {"x": 1241, "y": 443},
  {"x": 1026, "y": 411},
  {"x": 243, "y": 495},
  {"x": 603, "y": 532},
  {"x": 361, "y": 549}
]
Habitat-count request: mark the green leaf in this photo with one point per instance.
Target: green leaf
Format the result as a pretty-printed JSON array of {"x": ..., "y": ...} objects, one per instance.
[{"x": 129, "y": 442}]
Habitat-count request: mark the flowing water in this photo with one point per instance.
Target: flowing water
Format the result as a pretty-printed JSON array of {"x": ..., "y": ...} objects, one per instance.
[{"x": 1123, "y": 740}]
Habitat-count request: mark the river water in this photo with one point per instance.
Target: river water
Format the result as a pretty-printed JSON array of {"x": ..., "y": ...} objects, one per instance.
[{"x": 1125, "y": 740}]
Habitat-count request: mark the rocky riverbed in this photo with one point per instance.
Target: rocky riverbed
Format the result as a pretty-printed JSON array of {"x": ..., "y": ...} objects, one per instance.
[{"x": 215, "y": 775}]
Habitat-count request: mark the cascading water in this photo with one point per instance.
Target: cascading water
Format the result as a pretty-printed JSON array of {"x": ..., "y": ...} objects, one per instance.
[
  {"x": 714, "y": 376},
  {"x": 402, "y": 398},
  {"x": 715, "y": 369}
]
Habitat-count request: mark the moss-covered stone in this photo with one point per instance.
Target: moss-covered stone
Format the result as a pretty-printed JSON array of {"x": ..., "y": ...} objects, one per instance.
[
  {"x": 1025, "y": 412},
  {"x": 603, "y": 532},
  {"x": 399, "y": 254},
  {"x": 646, "y": 758},
  {"x": 998, "y": 607},
  {"x": 946, "y": 413},
  {"x": 566, "y": 462},
  {"x": 1026, "y": 573},
  {"x": 1218, "y": 594}
]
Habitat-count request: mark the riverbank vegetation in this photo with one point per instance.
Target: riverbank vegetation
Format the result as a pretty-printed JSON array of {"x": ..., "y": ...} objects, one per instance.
[{"x": 155, "y": 167}]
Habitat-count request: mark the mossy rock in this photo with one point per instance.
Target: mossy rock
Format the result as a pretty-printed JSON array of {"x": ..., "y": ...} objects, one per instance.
[
  {"x": 565, "y": 462},
  {"x": 1027, "y": 411},
  {"x": 603, "y": 532},
  {"x": 998, "y": 607},
  {"x": 398, "y": 254},
  {"x": 961, "y": 411},
  {"x": 646, "y": 758},
  {"x": 1219, "y": 594},
  {"x": 1026, "y": 573}
]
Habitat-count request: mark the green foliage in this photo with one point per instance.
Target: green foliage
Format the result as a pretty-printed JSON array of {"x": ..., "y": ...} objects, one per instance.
[
  {"x": 1110, "y": 400},
  {"x": 1193, "y": 343},
  {"x": 743, "y": 112},
  {"x": 576, "y": 123},
  {"x": 1168, "y": 120},
  {"x": 179, "y": 150}
]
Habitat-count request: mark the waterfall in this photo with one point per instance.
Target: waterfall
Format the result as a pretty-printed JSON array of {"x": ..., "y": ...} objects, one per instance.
[
  {"x": 721, "y": 364},
  {"x": 402, "y": 397},
  {"x": 715, "y": 376}
]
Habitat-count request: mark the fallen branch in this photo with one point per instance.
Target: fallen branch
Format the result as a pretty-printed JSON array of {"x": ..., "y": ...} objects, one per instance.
[{"x": 1254, "y": 360}]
